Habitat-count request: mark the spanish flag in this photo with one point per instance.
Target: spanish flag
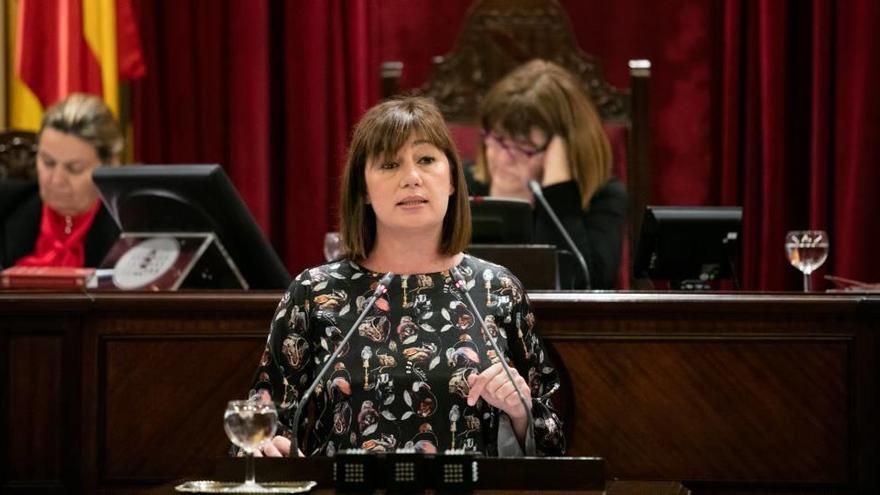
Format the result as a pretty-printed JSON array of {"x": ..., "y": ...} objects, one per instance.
[{"x": 67, "y": 46}]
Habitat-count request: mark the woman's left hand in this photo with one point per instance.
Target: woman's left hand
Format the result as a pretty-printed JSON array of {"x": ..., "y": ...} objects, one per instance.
[
  {"x": 277, "y": 447},
  {"x": 495, "y": 388},
  {"x": 556, "y": 166}
]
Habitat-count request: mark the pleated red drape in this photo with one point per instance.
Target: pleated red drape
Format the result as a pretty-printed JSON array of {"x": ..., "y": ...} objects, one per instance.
[
  {"x": 330, "y": 79},
  {"x": 270, "y": 90},
  {"x": 207, "y": 99},
  {"x": 798, "y": 127},
  {"x": 856, "y": 148},
  {"x": 762, "y": 103}
]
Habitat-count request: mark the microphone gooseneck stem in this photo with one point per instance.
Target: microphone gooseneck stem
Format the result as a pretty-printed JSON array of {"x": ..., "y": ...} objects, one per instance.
[
  {"x": 381, "y": 288},
  {"x": 536, "y": 190},
  {"x": 461, "y": 284}
]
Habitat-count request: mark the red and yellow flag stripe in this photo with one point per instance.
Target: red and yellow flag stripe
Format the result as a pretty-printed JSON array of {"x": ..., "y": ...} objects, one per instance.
[{"x": 66, "y": 46}]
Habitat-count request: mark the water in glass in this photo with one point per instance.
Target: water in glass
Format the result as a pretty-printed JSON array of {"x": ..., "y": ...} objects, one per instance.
[
  {"x": 248, "y": 424},
  {"x": 806, "y": 251}
]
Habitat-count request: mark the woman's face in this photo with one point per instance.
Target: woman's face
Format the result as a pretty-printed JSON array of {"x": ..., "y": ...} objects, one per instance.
[
  {"x": 409, "y": 192},
  {"x": 515, "y": 160},
  {"x": 64, "y": 169}
]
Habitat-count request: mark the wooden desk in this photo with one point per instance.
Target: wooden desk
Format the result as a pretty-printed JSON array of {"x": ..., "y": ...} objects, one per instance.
[{"x": 728, "y": 392}]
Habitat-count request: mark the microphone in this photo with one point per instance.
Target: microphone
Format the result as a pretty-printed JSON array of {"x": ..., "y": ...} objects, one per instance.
[
  {"x": 461, "y": 284},
  {"x": 381, "y": 288},
  {"x": 536, "y": 190}
]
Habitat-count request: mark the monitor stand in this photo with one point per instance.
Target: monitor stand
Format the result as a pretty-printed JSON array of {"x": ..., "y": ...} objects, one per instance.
[{"x": 168, "y": 261}]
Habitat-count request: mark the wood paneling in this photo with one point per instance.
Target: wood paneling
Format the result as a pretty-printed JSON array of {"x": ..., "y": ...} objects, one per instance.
[
  {"x": 733, "y": 393},
  {"x": 34, "y": 430},
  {"x": 39, "y": 366},
  {"x": 163, "y": 401},
  {"x": 720, "y": 410}
]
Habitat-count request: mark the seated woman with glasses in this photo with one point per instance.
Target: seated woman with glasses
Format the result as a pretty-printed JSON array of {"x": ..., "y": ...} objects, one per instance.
[{"x": 538, "y": 124}]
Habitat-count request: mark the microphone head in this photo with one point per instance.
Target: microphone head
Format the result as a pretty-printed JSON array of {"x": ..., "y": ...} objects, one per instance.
[
  {"x": 460, "y": 282},
  {"x": 535, "y": 187},
  {"x": 383, "y": 284}
]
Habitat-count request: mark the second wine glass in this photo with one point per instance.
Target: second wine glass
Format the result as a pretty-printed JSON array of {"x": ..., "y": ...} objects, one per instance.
[{"x": 806, "y": 250}]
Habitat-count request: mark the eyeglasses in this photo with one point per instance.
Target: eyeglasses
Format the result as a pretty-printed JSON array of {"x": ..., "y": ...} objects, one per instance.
[{"x": 512, "y": 146}]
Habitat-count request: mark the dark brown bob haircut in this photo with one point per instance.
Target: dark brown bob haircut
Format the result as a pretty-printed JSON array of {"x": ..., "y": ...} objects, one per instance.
[{"x": 382, "y": 131}]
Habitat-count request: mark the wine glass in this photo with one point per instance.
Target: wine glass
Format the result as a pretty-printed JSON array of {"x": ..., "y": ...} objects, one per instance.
[
  {"x": 249, "y": 424},
  {"x": 806, "y": 251},
  {"x": 332, "y": 246}
]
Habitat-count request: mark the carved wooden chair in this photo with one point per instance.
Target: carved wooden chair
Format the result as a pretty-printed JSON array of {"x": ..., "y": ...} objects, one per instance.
[
  {"x": 18, "y": 154},
  {"x": 499, "y": 35}
]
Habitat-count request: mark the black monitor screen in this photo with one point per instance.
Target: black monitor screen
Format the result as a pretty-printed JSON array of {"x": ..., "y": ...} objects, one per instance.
[
  {"x": 191, "y": 198},
  {"x": 500, "y": 221},
  {"x": 680, "y": 243}
]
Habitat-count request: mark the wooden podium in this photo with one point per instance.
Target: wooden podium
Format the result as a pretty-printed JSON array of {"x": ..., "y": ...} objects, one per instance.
[{"x": 722, "y": 392}]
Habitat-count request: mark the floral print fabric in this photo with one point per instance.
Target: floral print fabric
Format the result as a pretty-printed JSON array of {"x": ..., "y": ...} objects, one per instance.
[{"x": 401, "y": 380}]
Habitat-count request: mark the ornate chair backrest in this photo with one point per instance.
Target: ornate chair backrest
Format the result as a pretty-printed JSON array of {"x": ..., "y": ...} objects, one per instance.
[
  {"x": 498, "y": 36},
  {"x": 18, "y": 154}
]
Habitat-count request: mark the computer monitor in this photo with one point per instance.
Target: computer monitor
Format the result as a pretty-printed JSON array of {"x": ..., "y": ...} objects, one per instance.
[
  {"x": 502, "y": 233},
  {"x": 191, "y": 198},
  {"x": 688, "y": 244},
  {"x": 500, "y": 221}
]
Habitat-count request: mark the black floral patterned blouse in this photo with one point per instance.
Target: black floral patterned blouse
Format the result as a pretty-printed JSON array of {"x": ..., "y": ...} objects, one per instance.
[{"x": 401, "y": 382}]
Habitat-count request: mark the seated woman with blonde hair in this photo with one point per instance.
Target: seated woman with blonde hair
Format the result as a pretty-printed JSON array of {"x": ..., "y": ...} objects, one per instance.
[
  {"x": 66, "y": 224},
  {"x": 538, "y": 124}
]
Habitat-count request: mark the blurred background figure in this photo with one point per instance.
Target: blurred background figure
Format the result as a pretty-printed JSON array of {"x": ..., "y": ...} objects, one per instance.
[
  {"x": 66, "y": 223},
  {"x": 537, "y": 124}
]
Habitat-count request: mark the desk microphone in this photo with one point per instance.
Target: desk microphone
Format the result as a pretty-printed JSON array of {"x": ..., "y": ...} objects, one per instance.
[
  {"x": 536, "y": 190},
  {"x": 461, "y": 284},
  {"x": 381, "y": 288}
]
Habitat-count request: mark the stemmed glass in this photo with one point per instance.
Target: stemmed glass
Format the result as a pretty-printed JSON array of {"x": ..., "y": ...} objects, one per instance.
[
  {"x": 249, "y": 424},
  {"x": 806, "y": 251},
  {"x": 332, "y": 246}
]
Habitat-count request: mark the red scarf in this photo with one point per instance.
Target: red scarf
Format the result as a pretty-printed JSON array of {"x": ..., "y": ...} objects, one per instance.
[{"x": 62, "y": 239}]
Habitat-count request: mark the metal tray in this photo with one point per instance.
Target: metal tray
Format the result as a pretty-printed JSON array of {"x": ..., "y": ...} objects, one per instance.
[{"x": 208, "y": 486}]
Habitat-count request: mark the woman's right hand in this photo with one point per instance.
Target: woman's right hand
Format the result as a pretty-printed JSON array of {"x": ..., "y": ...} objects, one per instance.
[
  {"x": 278, "y": 447},
  {"x": 510, "y": 174},
  {"x": 556, "y": 166}
]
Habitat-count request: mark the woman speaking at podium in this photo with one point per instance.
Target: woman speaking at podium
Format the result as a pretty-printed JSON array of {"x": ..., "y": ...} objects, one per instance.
[
  {"x": 417, "y": 372},
  {"x": 67, "y": 225},
  {"x": 539, "y": 125}
]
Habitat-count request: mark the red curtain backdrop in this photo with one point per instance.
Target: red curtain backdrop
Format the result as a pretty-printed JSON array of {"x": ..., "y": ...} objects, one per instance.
[
  {"x": 270, "y": 90},
  {"x": 762, "y": 103},
  {"x": 797, "y": 131}
]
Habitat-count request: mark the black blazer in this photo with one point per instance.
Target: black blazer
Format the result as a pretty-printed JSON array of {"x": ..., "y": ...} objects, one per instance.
[{"x": 20, "y": 227}]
